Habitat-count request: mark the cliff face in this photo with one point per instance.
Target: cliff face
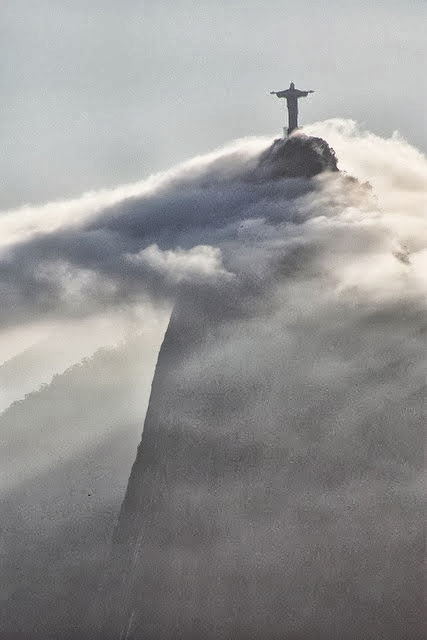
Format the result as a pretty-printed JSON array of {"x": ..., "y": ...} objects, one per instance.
[{"x": 264, "y": 500}]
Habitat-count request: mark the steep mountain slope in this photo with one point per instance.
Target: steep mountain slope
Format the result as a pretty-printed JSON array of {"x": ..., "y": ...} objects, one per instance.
[
  {"x": 275, "y": 493},
  {"x": 66, "y": 454}
]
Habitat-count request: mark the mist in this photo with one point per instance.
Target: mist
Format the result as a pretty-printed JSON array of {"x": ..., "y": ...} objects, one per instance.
[{"x": 310, "y": 287}]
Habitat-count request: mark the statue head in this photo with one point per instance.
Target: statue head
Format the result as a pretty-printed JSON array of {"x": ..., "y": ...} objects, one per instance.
[{"x": 292, "y": 86}]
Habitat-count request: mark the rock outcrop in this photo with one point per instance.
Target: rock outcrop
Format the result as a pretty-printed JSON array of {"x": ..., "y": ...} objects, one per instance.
[{"x": 298, "y": 156}]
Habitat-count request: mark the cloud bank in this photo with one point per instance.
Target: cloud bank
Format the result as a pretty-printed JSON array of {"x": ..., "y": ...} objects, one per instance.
[{"x": 78, "y": 258}]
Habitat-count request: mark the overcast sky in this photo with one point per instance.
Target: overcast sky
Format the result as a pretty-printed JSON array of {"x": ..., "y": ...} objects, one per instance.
[{"x": 100, "y": 92}]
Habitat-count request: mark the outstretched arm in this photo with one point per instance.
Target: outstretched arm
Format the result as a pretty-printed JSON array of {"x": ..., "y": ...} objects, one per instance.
[{"x": 281, "y": 94}]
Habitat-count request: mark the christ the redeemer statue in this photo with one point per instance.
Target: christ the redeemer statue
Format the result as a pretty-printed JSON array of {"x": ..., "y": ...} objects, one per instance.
[{"x": 292, "y": 96}]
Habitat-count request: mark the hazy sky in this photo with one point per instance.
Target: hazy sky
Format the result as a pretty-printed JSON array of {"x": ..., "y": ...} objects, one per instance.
[{"x": 103, "y": 92}]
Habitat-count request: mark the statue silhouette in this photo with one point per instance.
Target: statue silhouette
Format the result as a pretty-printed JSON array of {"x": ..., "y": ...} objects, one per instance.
[{"x": 292, "y": 96}]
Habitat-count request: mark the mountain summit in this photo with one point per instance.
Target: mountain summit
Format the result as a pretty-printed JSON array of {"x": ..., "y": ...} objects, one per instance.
[{"x": 298, "y": 156}]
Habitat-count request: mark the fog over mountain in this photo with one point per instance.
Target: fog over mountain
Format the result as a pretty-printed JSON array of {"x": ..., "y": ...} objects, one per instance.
[
  {"x": 277, "y": 491},
  {"x": 68, "y": 450}
]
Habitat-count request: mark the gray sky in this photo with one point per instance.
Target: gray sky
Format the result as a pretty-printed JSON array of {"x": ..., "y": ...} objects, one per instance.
[{"x": 103, "y": 92}]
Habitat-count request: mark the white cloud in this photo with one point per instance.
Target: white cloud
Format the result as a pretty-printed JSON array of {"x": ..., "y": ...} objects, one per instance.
[{"x": 199, "y": 264}]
